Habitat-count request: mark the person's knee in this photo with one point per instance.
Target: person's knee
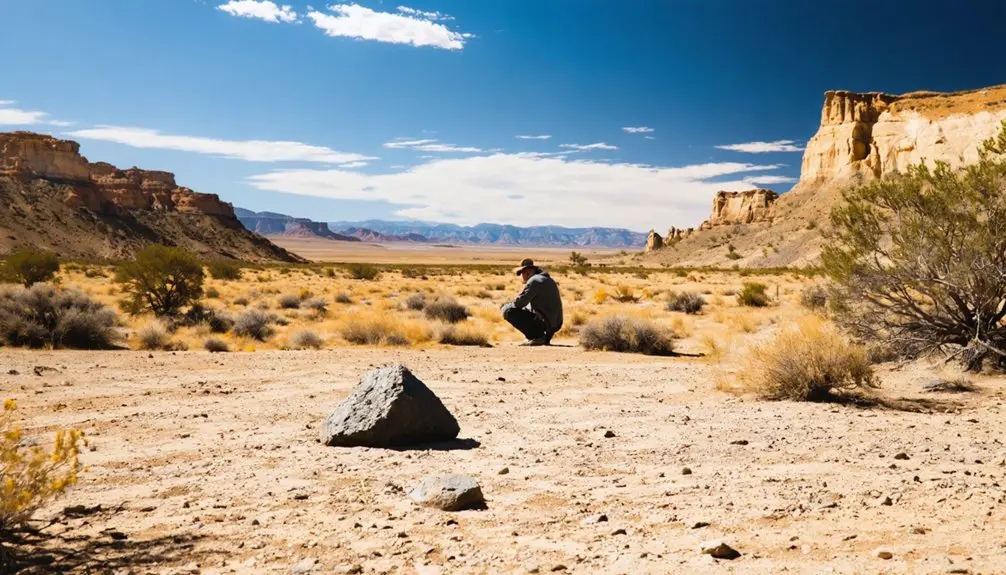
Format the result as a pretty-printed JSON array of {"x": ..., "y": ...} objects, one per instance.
[{"x": 508, "y": 312}]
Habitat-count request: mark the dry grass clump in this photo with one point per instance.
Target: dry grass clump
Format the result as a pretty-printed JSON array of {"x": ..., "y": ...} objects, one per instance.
[
  {"x": 808, "y": 362},
  {"x": 686, "y": 302},
  {"x": 627, "y": 335},
  {"x": 446, "y": 308},
  {"x": 379, "y": 328},
  {"x": 814, "y": 297},
  {"x": 153, "y": 337},
  {"x": 305, "y": 339},
  {"x": 288, "y": 301},
  {"x": 241, "y": 301},
  {"x": 43, "y": 315},
  {"x": 255, "y": 324},
  {"x": 316, "y": 305},
  {"x": 753, "y": 295},
  {"x": 626, "y": 294},
  {"x": 416, "y": 301},
  {"x": 343, "y": 298},
  {"x": 463, "y": 334},
  {"x": 211, "y": 293},
  {"x": 216, "y": 345}
]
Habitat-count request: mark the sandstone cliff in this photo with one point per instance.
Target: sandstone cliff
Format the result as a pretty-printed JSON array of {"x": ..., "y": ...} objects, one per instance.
[
  {"x": 861, "y": 136},
  {"x": 54, "y": 198}
]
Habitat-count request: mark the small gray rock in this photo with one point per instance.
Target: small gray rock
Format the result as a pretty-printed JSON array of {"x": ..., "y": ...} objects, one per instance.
[
  {"x": 719, "y": 550},
  {"x": 449, "y": 493},
  {"x": 390, "y": 408},
  {"x": 305, "y": 566}
]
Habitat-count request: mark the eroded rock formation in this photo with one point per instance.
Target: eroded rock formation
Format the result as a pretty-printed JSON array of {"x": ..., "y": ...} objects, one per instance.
[
  {"x": 746, "y": 207},
  {"x": 653, "y": 241}
]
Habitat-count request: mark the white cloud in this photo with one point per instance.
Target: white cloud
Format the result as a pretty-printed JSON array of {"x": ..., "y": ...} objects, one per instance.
[
  {"x": 426, "y": 15},
  {"x": 355, "y": 21},
  {"x": 260, "y": 9},
  {"x": 529, "y": 189},
  {"x": 589, "y": 147},
  {"x": 542, "y": 137},
  {"x": 763, "y": 147},
  {"x": 768, "y": 180},
  {"x": 248, "y": 150},
  {"x": 351, "y": 165},
  {"x": 649, "y": 138},
  {"x": 428, "y": 145},
  {"x": 18, "y": 117},
  {"x": 639, "y": 130}
]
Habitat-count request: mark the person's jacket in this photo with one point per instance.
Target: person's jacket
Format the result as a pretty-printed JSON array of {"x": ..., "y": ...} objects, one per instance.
[{"x": 541, "y": 294}]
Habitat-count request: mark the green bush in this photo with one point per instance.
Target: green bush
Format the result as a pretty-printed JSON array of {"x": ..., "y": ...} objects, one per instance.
[
  {"x": 29, "y": 267},
  {"x": 161, "y": 280},
  {"x": 43, "y": 315},
  {"x": 753, "y": 295},
  {"x": 363, "y": 271},
  {"x": 224, "y": 269}
]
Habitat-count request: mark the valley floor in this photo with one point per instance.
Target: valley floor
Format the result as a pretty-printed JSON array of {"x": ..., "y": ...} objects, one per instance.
[{"x": 209, "y": 463}]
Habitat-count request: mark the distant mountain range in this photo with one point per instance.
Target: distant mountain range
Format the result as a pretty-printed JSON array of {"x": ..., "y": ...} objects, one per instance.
[{"x": 381, "y": 231}]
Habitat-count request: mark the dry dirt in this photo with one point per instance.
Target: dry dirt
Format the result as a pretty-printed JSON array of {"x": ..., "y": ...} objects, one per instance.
[{"x": 209, "y": 463}]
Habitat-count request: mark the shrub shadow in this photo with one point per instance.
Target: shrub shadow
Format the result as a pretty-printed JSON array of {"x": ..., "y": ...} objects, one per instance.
[{"x": 906, "y": 404}]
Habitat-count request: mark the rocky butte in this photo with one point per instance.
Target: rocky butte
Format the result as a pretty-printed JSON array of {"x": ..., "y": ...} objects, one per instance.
[
  {"x": 55, "y": 199},
  {"x": 861, "y": 136}
]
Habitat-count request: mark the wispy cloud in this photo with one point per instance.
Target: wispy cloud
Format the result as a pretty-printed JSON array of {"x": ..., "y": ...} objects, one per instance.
[
  {"x": 768, "y": 180},
  {"x": 18, "y": 117},
  {"x": 764, "y": 147},
  {"x": 429, "y": 145},
  {"x": 638, "y": 130},
  {"x": 649, "y": 138},
  {"x": 259, "y": 9},
  {"x": 589, "y": 147},
  {"x": 425, "y": 15},
  {"x": 352, "y": 165},
  {"x": 530, "y": 189},
  {"x": 248, "y": 150},
  {"x": 542, "y": 137},
  {"x": 409, "y": 27}
]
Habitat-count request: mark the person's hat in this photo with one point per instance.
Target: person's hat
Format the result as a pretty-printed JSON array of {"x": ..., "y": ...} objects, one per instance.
[{"x": 524, "y": 264}]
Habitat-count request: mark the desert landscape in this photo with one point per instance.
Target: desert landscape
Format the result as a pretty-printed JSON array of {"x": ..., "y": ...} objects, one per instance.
[{"x": 409, "y": 319}]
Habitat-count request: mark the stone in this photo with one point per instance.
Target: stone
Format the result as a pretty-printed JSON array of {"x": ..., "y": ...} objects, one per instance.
[
  {"x": 453, "y": 492},
  {"x": 654, "y": 242},
  {"x": 745, "y": 207},
  {"x": 901, "y": 456},
  {"x": 390, "y": 408},
  {"x": 882, "y": 553},
  {"x": 719, "y": 550},
  {"x": 686, "y": 471},
  {"x": 504, "y": 471},
  {"x": 304, "y": 566},
  {"x": 609, "y": 434}
]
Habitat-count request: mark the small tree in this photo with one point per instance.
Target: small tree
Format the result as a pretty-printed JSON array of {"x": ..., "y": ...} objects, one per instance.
[
  {"x": 578, "y": 259},
  {"x": 29, "y": 267},
  {"x": 161, "y": 279},
  {"x": 919, "y": 259},
  {"x": 224, "y": 269}
]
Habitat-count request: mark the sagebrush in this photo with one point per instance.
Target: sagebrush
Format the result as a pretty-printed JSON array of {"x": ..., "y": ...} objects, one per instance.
[
  {"x": 46, "y": 316},
  {"x": 627, "y": 335}
]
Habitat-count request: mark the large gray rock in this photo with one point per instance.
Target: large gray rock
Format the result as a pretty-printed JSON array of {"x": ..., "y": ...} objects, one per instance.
[
  {"x": 390, "y": 408},
  {"x": 449, "y": 492}
]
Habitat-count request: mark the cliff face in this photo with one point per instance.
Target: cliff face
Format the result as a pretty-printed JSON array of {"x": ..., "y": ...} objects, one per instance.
[
  {"x": 119, "y": 211},
  {"x": 271, "y": 224},
  {"x": 874, "y": 134},
  {"x": 861, "y": 136}
]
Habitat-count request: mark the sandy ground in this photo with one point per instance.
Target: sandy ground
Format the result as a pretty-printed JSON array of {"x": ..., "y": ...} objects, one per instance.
[{"x": 209, "y": 463}]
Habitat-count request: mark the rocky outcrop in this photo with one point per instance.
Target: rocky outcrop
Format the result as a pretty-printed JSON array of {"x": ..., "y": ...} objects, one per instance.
[
  {"x": 873, "y": 134},
  {"x": 281, "y": 225},
  {"x": 675, "y": 235},
  {"x": 56, "y": 199},
  {"x": 654, "y": 242},
  {"x": 747, "y": 207}
]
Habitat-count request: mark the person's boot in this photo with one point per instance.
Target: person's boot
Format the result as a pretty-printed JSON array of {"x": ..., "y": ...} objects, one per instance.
[{"x": 538, "y": 341}]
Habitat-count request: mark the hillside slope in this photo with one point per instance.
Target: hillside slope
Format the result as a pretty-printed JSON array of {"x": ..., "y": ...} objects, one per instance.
[
  {"x": 52, "y": 198},
  {"x": 862, "y": 136}
]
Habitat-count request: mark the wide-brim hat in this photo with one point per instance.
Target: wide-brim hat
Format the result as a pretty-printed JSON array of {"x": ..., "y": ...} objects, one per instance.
[{"x": 526, "y": 263}]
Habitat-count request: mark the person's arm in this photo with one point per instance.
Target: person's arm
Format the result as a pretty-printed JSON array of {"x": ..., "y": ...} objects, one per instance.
[{"x": 527, "y": 295}]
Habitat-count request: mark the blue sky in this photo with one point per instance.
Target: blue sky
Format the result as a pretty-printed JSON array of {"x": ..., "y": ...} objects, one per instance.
[{"x": 412, "y": 109}]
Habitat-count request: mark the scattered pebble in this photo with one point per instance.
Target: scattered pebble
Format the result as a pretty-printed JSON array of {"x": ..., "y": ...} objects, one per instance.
[
  {"x": 882, "y": 553},
  {"x": 686, "y": 471},
  {"x": 719, "y": 550},
  {"x": 609, "y": 434}
]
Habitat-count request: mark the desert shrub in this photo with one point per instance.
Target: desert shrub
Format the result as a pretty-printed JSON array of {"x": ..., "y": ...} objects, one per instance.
[
  {"x": 814, "y": 297},
  {"x": 462, "y": 335},
  {"x": 362, "y": 271},
  {"x": 343, "y": 298},
  {"x": 43, "y": 315},
  {"x": 445, "y": 308},
  {"x": 32, "y": 475},
  {"x": 216, "y": 345},
  {"x": 161, "y": 279},
  {"x": 578, "y": 259},
  {"x": 601, "y": 296},
  {"x": 153, "y": 336},
  {"x": 625, "y": 294},
  {"x": 218, "y": 321},
  {"x": 29, "y": 267},
  {"x": 687, "y": 302},
  {"x": 808, "y": 362},
  {"x": 753, "y": 295},
  {"x": 316, "y": 305},
  {"x": 253, "y": 323},
  {"x": 919, "y": 259},
  {"x": 629, "y": 335},
  {"x": 416, "y": 301},
  {"x": 305, "y": 339},
  {"x": 212, "y": 293},
  {"x": 93, "y": 272},
  {"x": 380, "y": 328},
  {"x": 241, "y": 301},
  {"x": 288, "y": 301},
  {"x": 224, "y": 269}
]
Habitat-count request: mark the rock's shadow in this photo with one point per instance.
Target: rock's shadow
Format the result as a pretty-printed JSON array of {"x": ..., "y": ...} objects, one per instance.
[{"x": 452, "y": 445}]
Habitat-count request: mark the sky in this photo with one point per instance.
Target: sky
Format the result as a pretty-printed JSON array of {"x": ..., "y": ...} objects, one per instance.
[{"x": 621, "y": 113}]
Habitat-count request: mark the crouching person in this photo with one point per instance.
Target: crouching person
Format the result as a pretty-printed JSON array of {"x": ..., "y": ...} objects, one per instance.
[{"x": 537, "y": 310}]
